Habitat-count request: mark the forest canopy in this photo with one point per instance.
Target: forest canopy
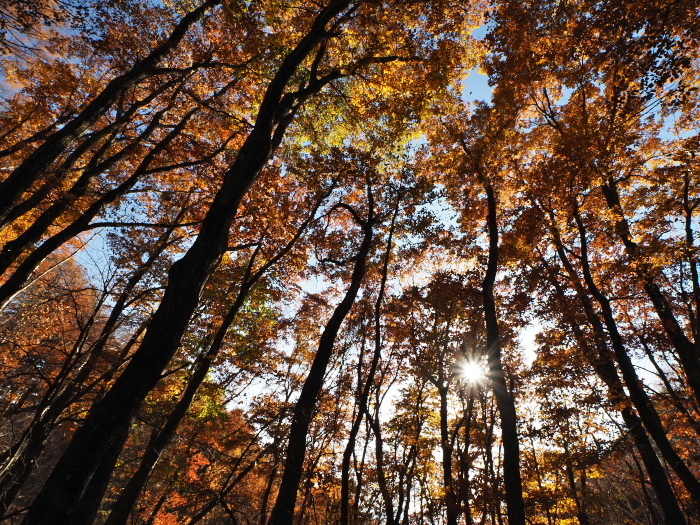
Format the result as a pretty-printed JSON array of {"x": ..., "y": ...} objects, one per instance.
[{"x": 291, "y": 263}]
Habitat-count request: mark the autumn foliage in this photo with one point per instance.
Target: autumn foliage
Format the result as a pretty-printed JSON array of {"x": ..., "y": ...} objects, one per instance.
[{"x": 287, "y": 263}]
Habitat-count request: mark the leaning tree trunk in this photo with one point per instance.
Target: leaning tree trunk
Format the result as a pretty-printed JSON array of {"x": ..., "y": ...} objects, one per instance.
[
  {"x": 638, "y": 395},
  {"x": 162, "y": 437},
  {"x": 364, "y": 395},
  {"x": 22, "y": 273},
  {"x": 302, "y": 414},
  {"x": 93, "y": 451},
  {"x": 602, "y": 362},
  {"x": 688, "y": 352}
]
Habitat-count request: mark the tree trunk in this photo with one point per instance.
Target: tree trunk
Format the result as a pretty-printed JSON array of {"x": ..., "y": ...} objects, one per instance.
[
  {"x": 161, "y": 438},
  {"x": 18, "y": 460},
  {"x": 19, "y": 277},
  {"x": 504, "y": 399},
  {"x": 283, "y": 511},
  {"x": 687, "y": 351},
  {"x": 602, "y": 363},
  {"x": 387, "y": 496},
  {"x": 579, "y": 501},
  {"x": 447, "y": 481},
  {"x": 639, "y": 397},
  {"x": 364, "y": 395},
  {"x": 465, "y": 464},
  {"x": 106, "y": 427}
]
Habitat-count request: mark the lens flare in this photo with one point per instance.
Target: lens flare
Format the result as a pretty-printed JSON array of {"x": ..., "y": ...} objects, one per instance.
[{"x": 473, "y": 370}]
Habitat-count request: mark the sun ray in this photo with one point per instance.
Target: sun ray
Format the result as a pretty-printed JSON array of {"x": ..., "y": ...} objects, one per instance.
[{"x": 473, "y": 370}]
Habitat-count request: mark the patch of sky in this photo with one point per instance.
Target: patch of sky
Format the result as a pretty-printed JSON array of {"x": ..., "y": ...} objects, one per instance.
[
  {"x": 480, "y": 32},
  {"x": 314, "y": 285},
  {"x": 96, "y": 253},
  {"x": 527, "y": 340},
  {"x": 566, "y": 93},
  {"x": 94, "y": 256},
  {"x": 671, "y": 130},
  {"x": 476, "y": 87}
]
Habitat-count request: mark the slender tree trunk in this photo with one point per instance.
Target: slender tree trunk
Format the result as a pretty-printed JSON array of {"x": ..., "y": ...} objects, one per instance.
[
  {"x": 494, "y": 501},
  {"x": 465, "y": 463},
  {"x": 359, "y": 468},
  {"x": 219, "y": 499},
  {"x": 639, "y": 397},
  {"x": 364, "y": 395},
  {"x": 90, "y": 141},
  {"x": 17, "y": 462},
  {"x": 268, "y": 491},
  {"x": 504, "y": 399},
  {"x": 156, "y": 508},
  {"x": 657, "y": 474},
  {"x": 689, "y": 212},
  {"x": 19, "y": 277},
  {"x": 412, "y": 460},
  {"x": 351, "y": 443},
  {"x": 688, "y": 353},
  {"x": 387, "y": 496},
  {"x": 283, "y": 511},
  {"x": 447, "y": 481},
  {"x": 31, "y": 236},
  {"x": 538, "y": 475},
  {"x": 581, "y": 514},
  {"x": 661, "y": 373},
  {"x": 603, "y": 364},
  {"x": 161, "y": 438}
]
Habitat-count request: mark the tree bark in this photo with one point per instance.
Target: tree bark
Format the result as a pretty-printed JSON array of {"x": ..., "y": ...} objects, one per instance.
[
  {"x": 106, "y": 427},
  {"x": 603, "y": 364},
  {"x": 283, "y": 511},
  {"x": 504, "y": 399},
  {"x": 639, "y": 397},
  {"x": 162, "y": 437},
  {"x": 688, "y": 352},
  {"x": 364, "y": 395}
]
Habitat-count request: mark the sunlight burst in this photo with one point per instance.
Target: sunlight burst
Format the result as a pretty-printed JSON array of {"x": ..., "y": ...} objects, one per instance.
[{"x": 473, "y": 370}]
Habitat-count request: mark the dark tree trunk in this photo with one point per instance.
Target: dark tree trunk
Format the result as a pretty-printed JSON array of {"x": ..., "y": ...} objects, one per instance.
[
  {"x": 13, "y": 249},
  {"x": 447, "y": 481},
  {"x": 161, "y": 438},
  {"x": 219, "y": 499},
  {"x": 639, "y": 397},
  {"x": 504, "y": 398},
  {"x": 578, "y": 498},
  {"x": 283, "y": 511},
  {"x": 268, "y": 492},
  {"x": 19, "y": 277},
  {"x": 364, "y": 395},
  {"x": 18, "y": 460},
  {"x": 387, "y": 496},
  {"x": 106, "y": 427},
  {"x": 603, "y": 364},
  {"x": 688, "y": 353},
  {"x": 465, "y": 464}
]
